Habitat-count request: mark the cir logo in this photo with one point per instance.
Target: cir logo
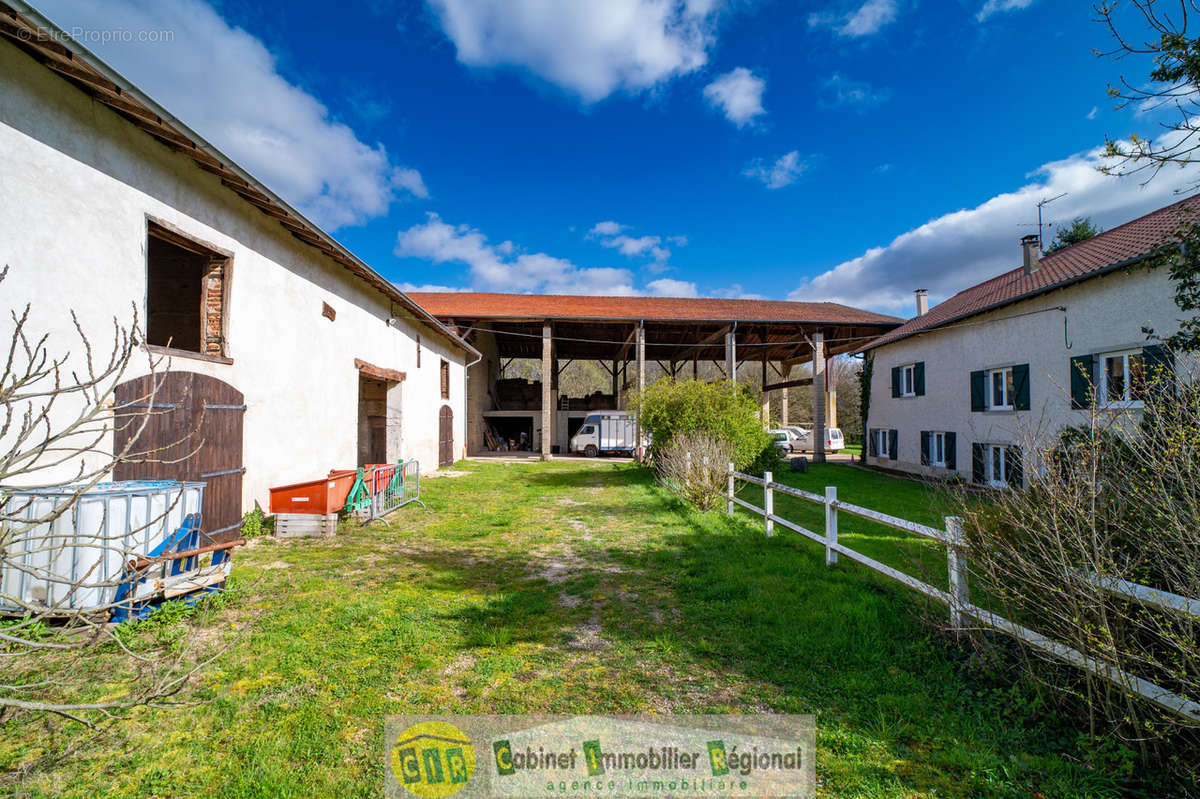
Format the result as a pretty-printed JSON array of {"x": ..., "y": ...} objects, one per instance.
[{"x": 433, "y": 759}]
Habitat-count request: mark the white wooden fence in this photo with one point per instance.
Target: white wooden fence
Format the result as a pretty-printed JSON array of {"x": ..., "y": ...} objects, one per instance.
[{"x": 958, "y": 595}]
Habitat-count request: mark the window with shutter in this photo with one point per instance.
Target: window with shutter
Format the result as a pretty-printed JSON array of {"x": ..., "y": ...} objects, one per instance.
[
  {"x": 893, "y": 441},
  {"x": 978, "y": 472},
  {"x": 445, "y": 380},
  {"x": 925, "y": 441},
  {"x": 951, "y": 439},
  {"x": 935, "y": 448},
  {"x": 895, "y": 381},
  {"x": 873, "y": 444},
  {"x": 1014, "y": 471},
  {"x": 919, "y": 378},
  {"x": 908, "y": 380}
]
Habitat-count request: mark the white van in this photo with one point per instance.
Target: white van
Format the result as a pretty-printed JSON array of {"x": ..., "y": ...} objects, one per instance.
[
  {"x": 834, "y": 441},
  {"x": 606, "y": 431}
]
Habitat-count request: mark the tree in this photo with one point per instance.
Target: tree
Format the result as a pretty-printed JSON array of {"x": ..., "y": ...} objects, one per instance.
[
  {"x": 1174, "y": 83},
  {"x": 1080, "y": 229},
  {"x": 59, "y": 417}
]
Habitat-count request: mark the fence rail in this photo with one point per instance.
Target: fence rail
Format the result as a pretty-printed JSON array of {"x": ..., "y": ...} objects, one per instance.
[{"x": 957, "y": 597}]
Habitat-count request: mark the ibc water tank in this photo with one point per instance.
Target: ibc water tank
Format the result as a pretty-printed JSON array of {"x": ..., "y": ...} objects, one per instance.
[{"x": 74, "y": 561}]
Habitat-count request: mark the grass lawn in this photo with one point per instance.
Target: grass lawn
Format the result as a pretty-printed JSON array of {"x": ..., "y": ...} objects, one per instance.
[{"x": 565, "y": 587}]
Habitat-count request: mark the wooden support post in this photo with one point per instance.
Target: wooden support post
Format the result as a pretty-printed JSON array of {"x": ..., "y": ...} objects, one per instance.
[
  {"x": 831, "y": 525},
  {"x": 616, "y": 386},
  {"x": 729, "y": 495},
  {"x": 818, "y": 365},
  {"x": 768, "y": 504},
  {"x": 641, "y": 385},
  {"x": 547, "y": 404},
  {"x": 765, "y": 410},
  {"x": 695, "y": 368},
  {"x": 956, "y": 565}
]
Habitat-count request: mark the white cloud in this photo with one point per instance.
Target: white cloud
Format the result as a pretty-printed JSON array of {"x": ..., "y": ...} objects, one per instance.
[
  {"x": 842, "y": 92},
  {"x": 738, "y": 95},
  {"x": 590, "y": 48},
  {"x": 666, "y": 287},
  {"x": 223, "y": 82},
  {"x": 960, "y": 249},
  {"x": 866, "y": 20},
  {"x": 998, "y": 6},
  {"x": 783, "y": 172},
  {"x": 736, "y": 292},
  {"x": 503, "y": 267},
  {"x": 605, "y": 229},
  {"x": 610, "y": 235},
  {"x": 1092, "y": 114}
]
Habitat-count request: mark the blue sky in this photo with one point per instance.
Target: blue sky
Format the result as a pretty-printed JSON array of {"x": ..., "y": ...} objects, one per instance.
[{"x": 851, "y": 150}]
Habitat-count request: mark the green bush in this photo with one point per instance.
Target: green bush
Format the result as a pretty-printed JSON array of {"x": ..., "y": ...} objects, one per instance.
[{"x": 729, "y": 413}]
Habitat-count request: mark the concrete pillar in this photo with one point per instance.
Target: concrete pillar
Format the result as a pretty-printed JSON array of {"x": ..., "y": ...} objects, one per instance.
[
  {"x": 731, "y": 356},
  {"x": 641, "y": 383},
  {"x": 818, "y": 366},
  {"x": 783, "y": 397},
  {"x": 830, "y": 395},
  {"x": 765, "y": 410},
  {"x": 547, "y": 402}
]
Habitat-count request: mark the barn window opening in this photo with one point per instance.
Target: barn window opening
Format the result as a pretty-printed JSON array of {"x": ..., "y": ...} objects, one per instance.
[
  {"x": 185, "y": 294},
  {"x": 445, "y": 380}
]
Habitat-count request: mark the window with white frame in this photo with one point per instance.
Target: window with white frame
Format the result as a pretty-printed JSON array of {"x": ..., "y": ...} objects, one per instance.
[
  {"x": 937, "y": 449},
  {"x": 1001, "y": 389},
  {"x": 1122, "y": 378},
  {"x": 881, "y": 444},
  {"x": 995, "y": 463},
  {"x": 908, "y": 380}
]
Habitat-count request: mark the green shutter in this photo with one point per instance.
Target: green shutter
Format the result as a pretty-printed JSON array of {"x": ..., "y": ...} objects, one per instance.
[
  {"x": 978, "y": 391},
  {"x": 895, "y": 381},
  {"x": 1013, "y": 468},
  {"x": 919, "y": 379},
  {"x": 892, "y": 440},
  {"x": 872, "y": 443},
  {"x": 951, "y": 451},
  {"x": 1083, "y": 381},
  {"x": 1021, "y": 384},
  {"x": 1159, "y": 364},
  {"x": 925, "y": 436},
  {"x": 977, "y": 474}
]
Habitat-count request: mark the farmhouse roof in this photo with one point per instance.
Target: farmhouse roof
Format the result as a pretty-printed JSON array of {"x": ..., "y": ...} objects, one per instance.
[{"x": 1123, "y": 246}]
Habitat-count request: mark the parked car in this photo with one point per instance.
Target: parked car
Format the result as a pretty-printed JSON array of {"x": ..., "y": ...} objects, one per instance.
[
  {"x": 834, "y": 441},
  {"x": 784, "y": 440}
]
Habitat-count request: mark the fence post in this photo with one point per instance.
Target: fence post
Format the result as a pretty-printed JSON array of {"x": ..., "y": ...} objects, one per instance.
[
  {"x": 768, "y": 503},
  {"x": 956, "y": 566},
  {"x": 831, "y": 524},
  {"x": 729, "y": 504}
]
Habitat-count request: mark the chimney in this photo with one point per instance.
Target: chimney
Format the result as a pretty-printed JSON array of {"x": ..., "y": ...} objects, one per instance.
[
  {"x": 922, "y": 302},
  {"x": 1031, "y": 251}
]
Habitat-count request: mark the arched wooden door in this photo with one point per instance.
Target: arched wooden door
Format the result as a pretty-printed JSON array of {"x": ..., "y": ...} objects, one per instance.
[
  {"x": 193, "y": 433},
  {"x": 445, "y": 436}
]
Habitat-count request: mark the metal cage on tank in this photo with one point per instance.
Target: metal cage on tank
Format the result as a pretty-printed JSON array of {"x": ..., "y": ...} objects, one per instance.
[{"x": 75, "y": 562}]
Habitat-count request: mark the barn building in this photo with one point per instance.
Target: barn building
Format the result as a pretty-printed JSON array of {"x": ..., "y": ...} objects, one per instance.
[
  {"x": 623, "y": 333},
  {"x": 292, "y": 355}
]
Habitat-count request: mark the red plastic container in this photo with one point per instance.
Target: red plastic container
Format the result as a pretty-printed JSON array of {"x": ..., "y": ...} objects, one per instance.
[{"x": 316, "y": 496}]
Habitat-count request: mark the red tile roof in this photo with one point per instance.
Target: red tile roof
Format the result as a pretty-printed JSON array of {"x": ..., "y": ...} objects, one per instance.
[
  {"x": 1099, "y": 255},
  {"x": 476, "y": 305}
]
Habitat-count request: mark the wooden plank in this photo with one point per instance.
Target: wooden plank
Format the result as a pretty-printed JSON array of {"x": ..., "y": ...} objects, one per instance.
[{"x": 378, "y": 372}]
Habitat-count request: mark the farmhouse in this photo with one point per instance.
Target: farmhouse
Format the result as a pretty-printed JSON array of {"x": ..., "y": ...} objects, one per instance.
[
  {"x": 624, "y": 333},
  {"x": 292, "y": 354},
  {"x": 973, "y": 384}
]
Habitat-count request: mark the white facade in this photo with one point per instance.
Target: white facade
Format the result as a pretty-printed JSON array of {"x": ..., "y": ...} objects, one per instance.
[
  {"x": 1097, "y": 316},
  {"x": 79, "y": 186}
]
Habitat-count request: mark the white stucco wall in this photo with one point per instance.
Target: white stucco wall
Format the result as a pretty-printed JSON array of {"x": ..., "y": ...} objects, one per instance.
[
  {"x": 1103, "y": 314},
  {"x": 77, "y": 186}
]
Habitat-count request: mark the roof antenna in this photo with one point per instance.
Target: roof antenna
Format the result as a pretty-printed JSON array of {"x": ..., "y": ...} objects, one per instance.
[{"x": 1043, "y": 202}]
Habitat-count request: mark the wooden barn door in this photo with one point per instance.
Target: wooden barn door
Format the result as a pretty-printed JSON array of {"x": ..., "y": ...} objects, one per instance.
[
  {"x": 194, "y": 433},
  {"x": 445, "y": 436}
]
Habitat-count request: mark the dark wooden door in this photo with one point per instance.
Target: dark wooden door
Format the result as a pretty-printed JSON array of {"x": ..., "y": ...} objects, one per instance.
[
  {"x": 193, "y": 432},
  {"x": 445, "y": 436}
]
